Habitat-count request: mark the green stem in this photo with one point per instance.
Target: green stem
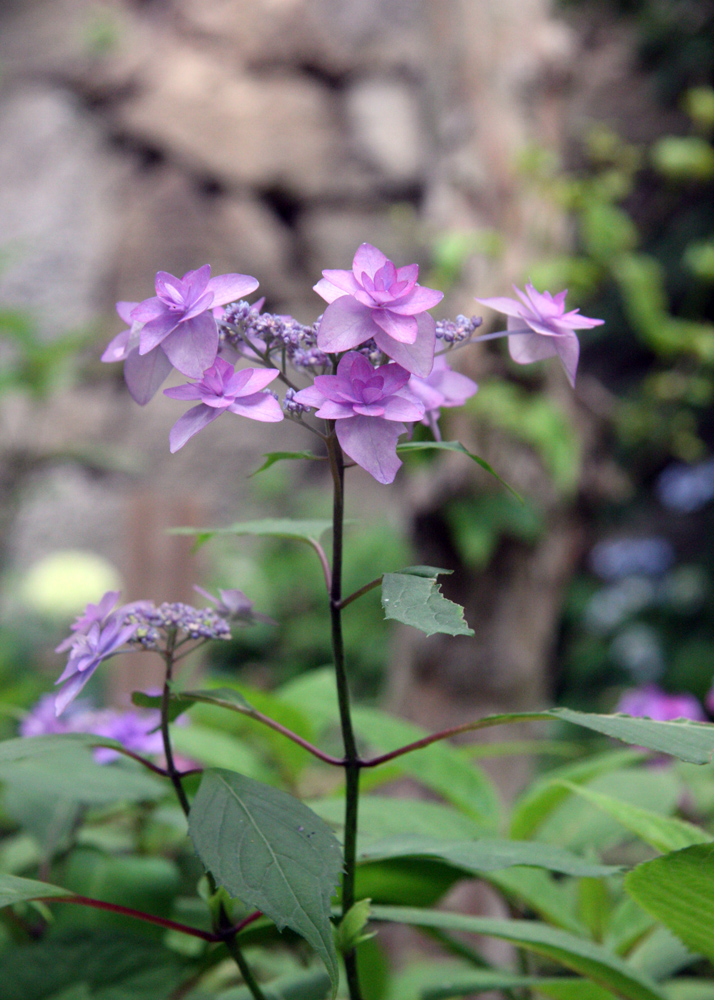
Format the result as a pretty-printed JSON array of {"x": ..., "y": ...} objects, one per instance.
[
  {"x": 245, "y": 970},
  {"x": 352, "y": 761},
  {"x": 165, "y": 703}
]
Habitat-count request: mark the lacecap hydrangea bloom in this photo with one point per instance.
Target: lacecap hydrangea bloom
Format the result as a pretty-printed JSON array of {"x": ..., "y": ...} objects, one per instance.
[
  {"x": 539, "y": 327},
  {"x": 223, "y": 389},
  {"x": 369, "y": 406},
  {"x": 378, "y": 301},
  {"x": 175, "y": 328}
]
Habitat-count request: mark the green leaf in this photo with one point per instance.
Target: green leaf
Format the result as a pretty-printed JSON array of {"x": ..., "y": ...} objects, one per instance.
[
  {"x": 312, "y": 984},
  {"x": 484, "y": 855},
  {"x": 272, "y": 852},
  {"x": 378, "y": 818},
  {"x": 25, "y": 747},
  {"x": 551, "y": 898},
  {"x": 110, "y": 966},
  {"x": 443, "y": 980},
  {"x": 441, "y": 767},
  {"x": 690, "y": 741},
  {"x": 544, "y": 796},
  {"x": 212, "y": 748},
  {"x": 71, "y": 773},
  {"x": 678, "y": 889},
  {"x": 17, "y": 890},
  {"x": 415, "y": 599},
  {"x": 407, "y": 446},
  {"x": 577, "y": 824},
  {"x": 660, "y": 954},
  {"x": 351, "y": 930},
  {"x": 664, "y": 833},
  {"x": 304, "y": 531},
  {"x": 582, "y": 956},
  {"x": 272, "y": 457}
]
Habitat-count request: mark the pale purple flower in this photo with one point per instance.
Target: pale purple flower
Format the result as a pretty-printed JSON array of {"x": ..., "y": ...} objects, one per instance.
[
  {"x": 654, "y": 703},
  {"x": 443, "y": 387},
  {"x": 234, "y": 606},
  {"x": 368, "y": 406},
  {"x": 135, "y": 730},
  {"x": 175, "y": 328},
  {"x": 376, "y": 300},
  {"x": 92, "y": 613},
  {"x": 87, "y": 652},
  {"x": 223, "y": 389},
  {"x": 539, "y": 327}
]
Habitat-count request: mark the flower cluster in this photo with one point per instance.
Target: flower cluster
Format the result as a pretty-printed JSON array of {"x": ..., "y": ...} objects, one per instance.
[
  {"x": 136, "y": 730},
  {"x": 103, "y": 630},
  {"x": 372, "y": 354}
]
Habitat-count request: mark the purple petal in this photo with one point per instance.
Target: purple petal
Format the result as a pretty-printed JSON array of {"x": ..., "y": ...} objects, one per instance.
[
  {"x": 145, "y": 374},
  {"x": 153, "y": 332},
  {"x": 368, "y": 259},
  {"x": 327, "y": 290},
  {"x": 344, "y": 280},
  {"x": 168, "y": 286},
  {"x": 189, "y": 424},
  {"x": 395, "y": 378},
  {"x": 188, "y": 391},
  {"x": 568, "y": 349},
  {"x": 417, "y": 301},
  {"x": 345, "y": 324},
  {"x": 354, "y": 365},
  {"x": 372, "y": 444},
  {"x": 417, "y": 358},
  {"x": 194, "y": 285},
  {"x": 401, "y": 328},
  {"x": 231, "y": 287},
  {"x": 202, "y": 304},
  {"x": 409, "y": 273},
  {"x": 335, "y": 387},
  {"x": 526, "y": 348},
  {"x": 511, "y": 307},
  {"x": 193, "y": 346},
  {"x": 310, "y": 396},
  {"x": 125, "y": 310},
  {"x": 118, "y": 348},
  {"x": 260, "y": 406},
  {"x": 71, "y": 689},
  {"x": 333, "y": 410},
  {"x": 368, "y": 409},
  {"x": 147, "y": 310},
  {"x": 574, "y": 321},
  {"x": 399, "y": 408},
  {"x": 258, "y": 379}
]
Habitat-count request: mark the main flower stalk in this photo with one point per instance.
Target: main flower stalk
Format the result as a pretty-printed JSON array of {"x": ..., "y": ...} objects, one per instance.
[{"x": 351, "y": 761}]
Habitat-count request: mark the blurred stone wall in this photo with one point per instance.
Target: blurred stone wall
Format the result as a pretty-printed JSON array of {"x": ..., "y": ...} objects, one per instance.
[{"x": 269, "y": 137}]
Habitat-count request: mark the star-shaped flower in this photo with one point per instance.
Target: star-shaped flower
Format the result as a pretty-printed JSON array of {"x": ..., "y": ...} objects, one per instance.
[
  {"x": 376, "y": 300},
  {"x": 175, "y": 328},
  {"x": 539, "y": 327}
]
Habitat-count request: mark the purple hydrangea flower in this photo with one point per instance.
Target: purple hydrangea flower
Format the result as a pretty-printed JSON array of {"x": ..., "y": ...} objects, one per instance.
[
  {"x": 222, "y": 388},
  {"x": 368, "y": 406},
  {"x": 137, "y": 731},
  {"x": 234, "y": 606},
  {"x": 87, "y": 652},
  {"x": 539, "y": 327},
  {"x": 376, "y": 300},
  {"x": 443, "y": 387},
  {"x": 175, "y": 328},
  {"x": 92, "y": 613},
  {"x": 654, "y": 703}
]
